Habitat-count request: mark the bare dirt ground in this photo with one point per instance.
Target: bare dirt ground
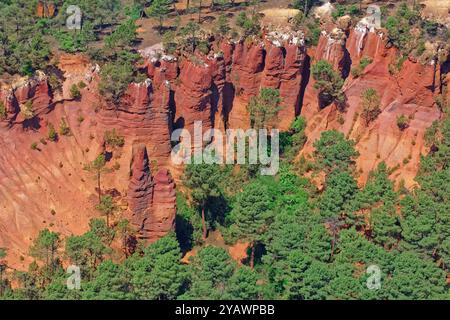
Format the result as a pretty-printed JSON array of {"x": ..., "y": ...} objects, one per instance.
[{"x": 275, "y": 13}]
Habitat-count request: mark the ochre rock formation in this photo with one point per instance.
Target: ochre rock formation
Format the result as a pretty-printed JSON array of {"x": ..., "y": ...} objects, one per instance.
[
  {"x": 332, "y": 48},
  {"x": 151, "y": 200},
  {"x": 193, "y": 95},
  {"x": 34, "y": 90},
  {"x": 215, "y": 89},
  {"x": 408, "y": 93}
]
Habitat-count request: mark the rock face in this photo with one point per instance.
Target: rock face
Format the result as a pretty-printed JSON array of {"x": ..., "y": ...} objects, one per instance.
[
  {"x": 407, "y": 93},
  {"x": 142, "y": 116},
  {"x": 332, "y": 48},
  {"x": 151, "y": 200},
  {"x": 215, "y": 89},
  {"x": 193, "y": 95},
  {"x": 276, "y": 63},
  {"x": 140, "y": 188},
  {"x": 34, "y": 91}
]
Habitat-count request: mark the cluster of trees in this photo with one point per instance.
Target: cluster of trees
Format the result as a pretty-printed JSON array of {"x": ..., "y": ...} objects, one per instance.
[
  {"x": 406, "y": 19},
  {"x": 25, "y": 38}
]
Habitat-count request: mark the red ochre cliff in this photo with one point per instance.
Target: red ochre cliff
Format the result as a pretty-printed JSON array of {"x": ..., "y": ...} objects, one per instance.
[{"x": 48, "y": 188}]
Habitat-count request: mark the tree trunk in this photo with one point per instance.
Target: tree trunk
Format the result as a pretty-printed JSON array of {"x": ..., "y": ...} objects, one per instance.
[
  {"x": 306, "y": 8},
  {"x": 199, "y": 11},
  {"x": 204, "y": 223},
  {"x": 107, "y": 220},
  {"x": 98, "y": 185},
  {"x": 252, "y": 256},
  {"x": 160, "y": 24},
  {"x": 187, "y": 4}
]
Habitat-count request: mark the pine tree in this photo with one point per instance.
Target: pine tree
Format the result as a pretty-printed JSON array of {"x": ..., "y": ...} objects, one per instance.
[
  {"x": 251, "y": 213},
  {"x": 45, "y": 248},
  {"x": 202, "y": 179},
  {"x": 159, "y": 9}
]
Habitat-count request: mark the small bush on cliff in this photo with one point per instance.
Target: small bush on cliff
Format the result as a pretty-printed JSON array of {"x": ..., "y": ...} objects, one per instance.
[
  {"x": 64, "y": 128},
  {"x": 54, "y": 82},
  {"x": 34, "y": 146},
  {"x": 52, "y": 135},
  {"x": 359, "y": 69},
  {"x": 264, "y": 108},
  {"x": 328, "y": 82},
  {"x": 370, "y": 103},
  {"x": 26, "y": 110},
  {"x": 75, "y": 92},
  {"x": 113, "y": 139},
  {"x": 2, "y": 111},
  {"x": 402, "y": 122}
]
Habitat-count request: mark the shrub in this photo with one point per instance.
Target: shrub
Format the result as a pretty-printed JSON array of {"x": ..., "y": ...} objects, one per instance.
[
  {"x": 222, "y": 27},
  {"x": 402, "y": 122},
  {"x": 356, "y": 72},
  {"x": 26, "y": 110},
  {"x": 298, "y": 19},
  {"x": 313, "y": 32},
  {"x": 81, "y": 85},
  {"x": 338, "y": 12},
  {"x": 34, "y": 146},
  {"x": 203, "y": 47},
  {"x": 250, "y": 25},
  {"x": 64, "y": 127},
  {"x": 54, "y": 82},
  {"x": 2, "y": 111},
  {"x": 113, "y": 139},
  {"x": 168, "y": 42},
  {"x": 365, "y": 61},
  {"x": 370, "y": 101},
  {"x": 52, "y": 135},
  {"x": 75, "y": 92}
]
